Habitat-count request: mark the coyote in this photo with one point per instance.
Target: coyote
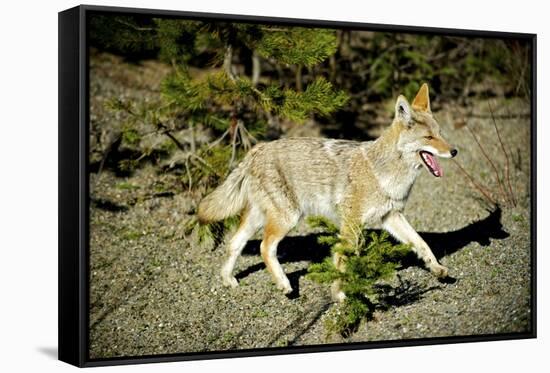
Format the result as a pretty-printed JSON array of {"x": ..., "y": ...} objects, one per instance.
[{"x": 351, "y": 183}]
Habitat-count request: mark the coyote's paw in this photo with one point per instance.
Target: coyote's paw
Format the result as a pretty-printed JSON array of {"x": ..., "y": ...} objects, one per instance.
[
  {"x": 285, "y": 287},
  {"x": 230, "y": 281},
  {"x": 439, "y": 271}
]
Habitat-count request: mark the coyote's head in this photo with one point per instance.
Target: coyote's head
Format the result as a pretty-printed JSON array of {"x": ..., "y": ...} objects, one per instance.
[{"x": 420, "y": 140}]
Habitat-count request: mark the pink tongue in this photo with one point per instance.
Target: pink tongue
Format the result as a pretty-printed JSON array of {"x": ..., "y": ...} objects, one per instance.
[{"x": 432, "y": 162}]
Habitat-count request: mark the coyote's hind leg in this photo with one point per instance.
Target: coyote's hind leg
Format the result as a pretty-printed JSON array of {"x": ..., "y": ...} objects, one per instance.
[
  {"x": 251, "y": 220},
  {"x": 276, "y": 228}
]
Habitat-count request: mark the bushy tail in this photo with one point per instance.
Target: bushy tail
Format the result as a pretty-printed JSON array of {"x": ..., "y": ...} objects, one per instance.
[{"x": 226, "y": 200}]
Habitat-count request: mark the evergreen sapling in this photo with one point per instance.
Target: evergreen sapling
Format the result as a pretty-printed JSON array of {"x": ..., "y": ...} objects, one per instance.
[{"x": 371, "y": 259}]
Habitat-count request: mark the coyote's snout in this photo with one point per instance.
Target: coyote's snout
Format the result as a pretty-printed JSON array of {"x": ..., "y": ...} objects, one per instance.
[{"x": 351, "y": 183}]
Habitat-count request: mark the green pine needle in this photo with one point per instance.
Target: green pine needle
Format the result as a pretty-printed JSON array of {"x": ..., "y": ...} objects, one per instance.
[
  {"x": 298, "y": 45},
  {"x": 372, "y": 259}
]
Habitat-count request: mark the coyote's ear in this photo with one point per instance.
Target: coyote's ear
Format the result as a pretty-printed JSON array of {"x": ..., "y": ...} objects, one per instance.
[
  {"x": 403, "y": 110},
  {"x": 422, "y": 100}
]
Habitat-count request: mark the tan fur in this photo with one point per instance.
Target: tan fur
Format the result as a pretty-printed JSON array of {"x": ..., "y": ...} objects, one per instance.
[
  {"x": 352, "y": 183},
  {"x": 422, "y": 100},
  {"x": 274, "y": 232}
]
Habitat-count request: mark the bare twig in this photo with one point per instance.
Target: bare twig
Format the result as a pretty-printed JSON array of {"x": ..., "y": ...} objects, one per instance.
[
  {"x": 481, "y": 189},
  {"x": 507, "y": 165},
  {"x": 520, "y": 82},
  {"x": 190, "y": 185},
  {"x": 218, "y": 140},
  {"x": 134, "y": 27},
  {"x": 192, "y": 142},
  {"x": 332, "y": 66},
  {"x": 246, "y": 136},
  {"x": 299, "y": 78},
  {"x": 228, "y": 62},
  {"x": 235, "y": 129},
  {"x": 500, "y": 184},
  {"x": 166, "y": 131},
  {"x": 273, "y": 28},
  {"x": 500, "y": 116},
  {"x": 256, "y": 68}
]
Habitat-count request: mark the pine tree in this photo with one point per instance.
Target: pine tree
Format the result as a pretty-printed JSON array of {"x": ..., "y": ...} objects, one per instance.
[
  {"x": 372, "y": 258},
  {"x": 235, "y": 106},
  {"x": 226, "y": 95}
]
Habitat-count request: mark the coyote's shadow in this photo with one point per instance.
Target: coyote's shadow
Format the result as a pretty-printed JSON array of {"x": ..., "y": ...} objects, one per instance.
[
  {"x": 300, "y": 248},
  {"x": 481, "y": 231}
]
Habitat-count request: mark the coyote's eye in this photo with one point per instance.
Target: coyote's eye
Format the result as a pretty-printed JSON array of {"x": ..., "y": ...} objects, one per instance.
[{"x": 429, "y": 137}]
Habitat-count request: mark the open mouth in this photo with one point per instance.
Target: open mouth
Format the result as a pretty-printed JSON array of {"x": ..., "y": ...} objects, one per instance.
[{"x": 431, "y": 163}]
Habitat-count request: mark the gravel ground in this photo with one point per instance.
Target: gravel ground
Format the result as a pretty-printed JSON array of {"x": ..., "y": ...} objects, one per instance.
[{"x": 156, "y": 291}]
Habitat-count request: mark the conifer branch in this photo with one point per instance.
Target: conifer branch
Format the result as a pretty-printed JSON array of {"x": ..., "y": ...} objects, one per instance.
[{"x": 205, "y": 163}]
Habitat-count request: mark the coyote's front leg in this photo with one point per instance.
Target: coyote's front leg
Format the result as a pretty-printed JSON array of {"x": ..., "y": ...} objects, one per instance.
[{"x": 396, "y": 224}]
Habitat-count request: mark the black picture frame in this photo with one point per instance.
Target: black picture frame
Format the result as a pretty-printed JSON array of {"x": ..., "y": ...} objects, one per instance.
[{"x": 73, "y": 254}]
